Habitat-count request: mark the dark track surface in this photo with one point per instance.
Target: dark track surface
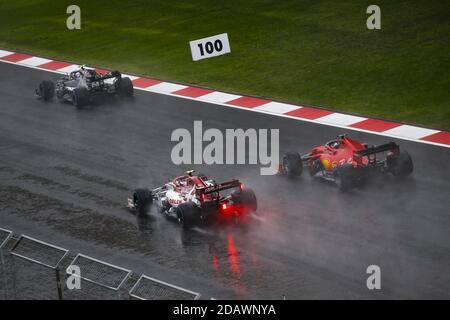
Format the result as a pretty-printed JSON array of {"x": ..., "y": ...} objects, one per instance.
[{"x": 65, "y": 175}]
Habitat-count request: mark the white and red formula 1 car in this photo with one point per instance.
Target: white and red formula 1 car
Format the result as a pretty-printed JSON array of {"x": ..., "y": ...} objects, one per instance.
[{"x": 192, "y": 199}]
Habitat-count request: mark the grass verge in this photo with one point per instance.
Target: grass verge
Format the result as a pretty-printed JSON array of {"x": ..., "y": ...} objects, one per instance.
[{"x": 313, "y": 52}]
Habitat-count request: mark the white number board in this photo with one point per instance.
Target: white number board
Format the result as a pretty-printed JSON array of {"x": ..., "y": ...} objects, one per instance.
[{"x": 210, "y": 47}]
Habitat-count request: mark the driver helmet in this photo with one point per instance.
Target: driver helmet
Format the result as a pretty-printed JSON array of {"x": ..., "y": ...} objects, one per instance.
[
  {"x": 335, "y": 144},
  {"x": 89, "y": 73}
]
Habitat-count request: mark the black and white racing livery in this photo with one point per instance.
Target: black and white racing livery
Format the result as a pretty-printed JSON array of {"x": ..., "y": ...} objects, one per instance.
[
  {"x": 81, "y": 85},
  {"x": 192, "y": 199}
]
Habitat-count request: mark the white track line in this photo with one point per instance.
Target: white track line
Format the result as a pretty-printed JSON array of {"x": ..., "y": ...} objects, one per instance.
[
  {"x": 338, "y": 120},
  {"x": 277, "y": 107}
]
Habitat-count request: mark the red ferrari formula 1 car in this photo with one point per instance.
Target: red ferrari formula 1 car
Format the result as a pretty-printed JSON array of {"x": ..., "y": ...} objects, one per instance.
[{"x": 347, "y": 162}]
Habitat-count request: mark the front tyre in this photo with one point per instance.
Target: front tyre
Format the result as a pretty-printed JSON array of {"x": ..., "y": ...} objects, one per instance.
[
  {"x": 292, "y": 164},
  {"x": 142, "y": 199},
  {"x": 46, "y": 90}
]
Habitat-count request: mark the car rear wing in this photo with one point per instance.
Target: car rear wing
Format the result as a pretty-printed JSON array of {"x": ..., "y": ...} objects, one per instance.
[
  {"x": 390, "y": 146},
  {"x": 222, "y": 186}
]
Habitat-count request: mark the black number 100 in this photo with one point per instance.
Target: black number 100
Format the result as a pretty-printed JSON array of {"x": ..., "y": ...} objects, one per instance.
[{"x": 218, "y": 46}]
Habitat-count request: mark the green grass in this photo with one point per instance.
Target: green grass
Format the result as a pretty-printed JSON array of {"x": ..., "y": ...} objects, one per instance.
[{"x": 314, "y": 52}]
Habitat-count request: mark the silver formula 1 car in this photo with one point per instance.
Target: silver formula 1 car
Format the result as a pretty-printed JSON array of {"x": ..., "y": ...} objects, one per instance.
[
  {"x": 192, "y": 199},
  {"x": 80, "y": 86}
]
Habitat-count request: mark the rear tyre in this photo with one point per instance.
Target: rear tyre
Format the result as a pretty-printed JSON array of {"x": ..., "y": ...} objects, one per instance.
[
  {"x": 345, "y": 177},
  {"x": 292, "y": 164},
  {"x": 361, "y": 177},
  {"x": 125, "y": 88},
  {"x": 245, "y": 199},
  {"x": 400, "y": 165},
  {"x": 142, "y": 199},
  {"x": 46, "y": 90},
  {"x": 188, "y": 214},
  {"x": 80, "y": 97}
]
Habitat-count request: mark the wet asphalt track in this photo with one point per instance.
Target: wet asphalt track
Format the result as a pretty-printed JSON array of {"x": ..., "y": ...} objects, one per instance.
[{"x": 65, "y": 175}]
